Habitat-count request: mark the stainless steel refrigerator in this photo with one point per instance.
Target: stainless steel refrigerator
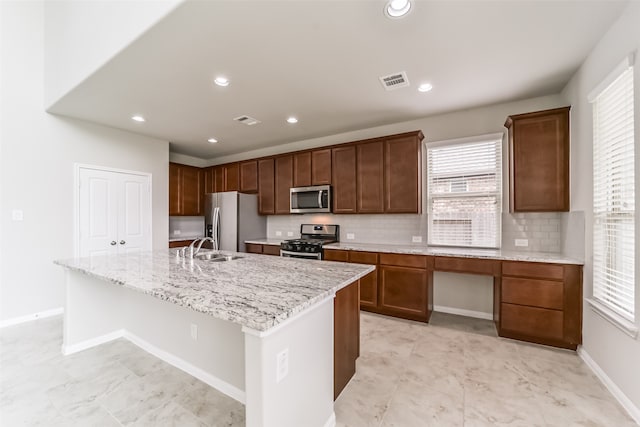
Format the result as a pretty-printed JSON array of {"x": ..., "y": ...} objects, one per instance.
[{"x": 231, "y": 218}]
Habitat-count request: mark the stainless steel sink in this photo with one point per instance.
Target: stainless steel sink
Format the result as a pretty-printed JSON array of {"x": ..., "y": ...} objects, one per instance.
[{"x": 212, "y": 256}]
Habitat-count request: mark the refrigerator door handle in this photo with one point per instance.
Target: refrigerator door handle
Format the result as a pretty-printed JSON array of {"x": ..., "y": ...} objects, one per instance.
[{"x": 216, "y": 228}]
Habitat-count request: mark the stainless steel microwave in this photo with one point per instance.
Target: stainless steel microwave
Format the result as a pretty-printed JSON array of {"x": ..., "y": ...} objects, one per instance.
[{"x": 311, "y": 199}]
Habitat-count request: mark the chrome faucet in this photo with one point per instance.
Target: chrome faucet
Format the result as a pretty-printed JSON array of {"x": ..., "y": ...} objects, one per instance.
[{"x": 193, "y": 250}]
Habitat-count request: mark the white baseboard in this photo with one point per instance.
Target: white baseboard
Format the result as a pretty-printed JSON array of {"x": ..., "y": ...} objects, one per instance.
[
  {"x": 463, "y": 312},
  {"x": 83, "y": 345},
  {"x": 31, "y": 317},
  {"x": 626, "y": 403},
  {"x": 215, "y": 382},
  {"x": 331, "y": 422}
]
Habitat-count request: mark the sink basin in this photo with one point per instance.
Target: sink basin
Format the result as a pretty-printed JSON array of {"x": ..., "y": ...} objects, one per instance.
[{"x": 212, "y": 256}]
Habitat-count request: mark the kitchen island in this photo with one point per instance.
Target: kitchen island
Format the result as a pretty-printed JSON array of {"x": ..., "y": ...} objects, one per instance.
[{"x": 260, "y": 329}]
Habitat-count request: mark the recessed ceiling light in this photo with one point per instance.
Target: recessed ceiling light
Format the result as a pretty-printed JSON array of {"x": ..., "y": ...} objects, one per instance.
[
  {"x": 397, "y": 8},
  {"x": 137, "y": 118},
  {"x": 221, "y": 81},
  {"x": 212, "y": 140},
  {"x": 292, "y": 120},
  {"x": 425, "y": 87}
]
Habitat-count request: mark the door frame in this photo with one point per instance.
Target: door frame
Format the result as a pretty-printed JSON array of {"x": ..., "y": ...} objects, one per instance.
[{"x": 77, "y": 167}]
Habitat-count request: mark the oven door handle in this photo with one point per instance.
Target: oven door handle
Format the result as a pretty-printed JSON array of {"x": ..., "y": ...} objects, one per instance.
[{"x": 300, "y": 254}]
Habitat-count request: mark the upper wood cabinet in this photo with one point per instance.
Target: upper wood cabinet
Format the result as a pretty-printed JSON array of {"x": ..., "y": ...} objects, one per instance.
[
  {"x": 370, "y": 177},
  {"x": 186, "y": 190},
  {"x": 403, "y": 173},
  {"x": 344, "y": 179},
  {"x": 302, "y": 169},
  {"x": 266, "y": 187},
  {"x": 539, "y": 161},
  {"x": 321, "y": 167},
  {"x": 231, "y": 174},
  {"x": 249, "y": 177},
  {"x": 283, "y": 184}
]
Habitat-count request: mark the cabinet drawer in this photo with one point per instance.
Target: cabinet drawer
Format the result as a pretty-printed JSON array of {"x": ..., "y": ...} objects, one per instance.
[
  {"x": 253, "y": 248},
  {"x": 180, "y": 243},
  {"x": 535, "y": 292},
  {"x": 417, "y": 261},
  {"x": 271, "y": 250},
  {"x": 467, "y": 265},
  {"x": 533, "y": 269},
  {"x": 335, "y": 255},
  {"x": 532, "y": 321},
  {"x": 363, "y": 257}
]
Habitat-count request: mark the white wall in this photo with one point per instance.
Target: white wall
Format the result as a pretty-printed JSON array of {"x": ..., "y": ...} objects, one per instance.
[
  {"x": 81, "y": 36},
  {"x": 616, "y": 353},
  {"x": 37, "y": 169}
]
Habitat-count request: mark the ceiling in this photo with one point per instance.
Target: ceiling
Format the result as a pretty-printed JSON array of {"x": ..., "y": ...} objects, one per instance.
[{"x": 320, "y": 61}]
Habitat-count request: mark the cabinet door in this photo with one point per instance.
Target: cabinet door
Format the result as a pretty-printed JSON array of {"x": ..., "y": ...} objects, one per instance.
[
  {"x": 175, "y": 191},
  {"x": 249, "y": 177},
  {"x": 231, "y": 174},
  {"x": 284, "y": 182},
  {"x": 344, "y": 179},
  {"x": 266, "y": 187},
  {"x": 335, "y": 255},
  {"x": 402, "y": 171},
  {"x": 302, "y": 169},
  {"x": 539, "y": 161},
  {"x": 321, "y": 167},
  {"x": 403, "y": 292},
  {"x": 253, "y": 248},
  {"x": 209, "y": 180},
  {"x": 192, "y": 190},
  {"x": 370, "y": 178},
  {"x": 218, "y": 179}
]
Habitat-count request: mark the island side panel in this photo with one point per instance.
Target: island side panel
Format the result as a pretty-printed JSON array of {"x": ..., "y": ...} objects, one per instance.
[
  {"x": 347, "y": 335},
  {"x": 213, "y": 352},
  {"x": 304, "y": 397},
  {"x": 93, "y": 313}
]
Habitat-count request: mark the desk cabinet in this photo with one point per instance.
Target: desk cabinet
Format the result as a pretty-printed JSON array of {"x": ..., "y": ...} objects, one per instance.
[{"x": 541, "y": 303}]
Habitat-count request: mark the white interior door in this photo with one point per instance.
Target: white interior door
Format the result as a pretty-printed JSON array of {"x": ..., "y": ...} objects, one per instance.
[
  {"x": 134, "y": 218},
  {"x": 114, "y": 212}
]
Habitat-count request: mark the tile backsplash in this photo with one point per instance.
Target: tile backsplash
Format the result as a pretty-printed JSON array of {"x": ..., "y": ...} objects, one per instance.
[{"x": 557, "y": 232}]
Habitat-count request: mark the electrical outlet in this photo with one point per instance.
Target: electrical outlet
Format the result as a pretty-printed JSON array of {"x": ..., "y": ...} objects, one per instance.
[
  {"x": 282, "y": 365},
  {"x": 17, "y": 215},
  {"x": 177, "y": 232},
  {"x": 351, "y": 236},
  {"x": 289, "y": 233},
  {"x": 194, "y": 332},
  {"x": 416, "y": 239},
  {"x": 522, "y": 242},
  {"x": 278, "y": 233}
]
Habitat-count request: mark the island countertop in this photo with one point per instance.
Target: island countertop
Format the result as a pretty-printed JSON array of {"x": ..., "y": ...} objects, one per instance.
[{"x": 255, "y": 291}]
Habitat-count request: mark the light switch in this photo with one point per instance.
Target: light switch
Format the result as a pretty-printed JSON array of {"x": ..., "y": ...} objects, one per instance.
[{"x": 17, "y": 215}]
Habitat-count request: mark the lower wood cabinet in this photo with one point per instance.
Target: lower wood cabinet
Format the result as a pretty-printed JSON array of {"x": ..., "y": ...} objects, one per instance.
[
  {"x": 346, "y": 336},
  {"x": 541, "y": 303},
  {"x": 254, "y": 248},
  {"x": 180, "y": 243},
  {"x": 403, "y": 292}
]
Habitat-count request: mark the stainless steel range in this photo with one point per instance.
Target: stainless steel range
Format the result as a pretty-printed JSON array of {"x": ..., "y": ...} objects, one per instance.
[{"x": 312, "y": 237}]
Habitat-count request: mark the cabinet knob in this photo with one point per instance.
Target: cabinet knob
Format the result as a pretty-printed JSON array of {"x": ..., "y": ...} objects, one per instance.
[
  {"x": 122, "y": 242},
  {"x": 113, "y": 242}
]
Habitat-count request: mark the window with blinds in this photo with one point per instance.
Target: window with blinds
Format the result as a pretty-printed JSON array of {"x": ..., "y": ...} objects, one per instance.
[
  {"x": 614, "y": 192},
  {"x": 464, "y": 187}
]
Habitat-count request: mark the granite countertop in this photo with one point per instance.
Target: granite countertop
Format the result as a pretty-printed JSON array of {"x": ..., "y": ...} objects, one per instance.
[
  {"x": 458, "y": 252},
  {"x": 273, "y": 242},
  {"x": 254, "y": 291}
]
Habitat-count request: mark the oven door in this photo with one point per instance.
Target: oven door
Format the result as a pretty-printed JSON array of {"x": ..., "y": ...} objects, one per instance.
[{"x": 304, "y": 255}]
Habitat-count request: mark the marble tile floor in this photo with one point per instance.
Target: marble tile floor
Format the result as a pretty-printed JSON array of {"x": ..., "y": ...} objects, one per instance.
[{"x": 452, "y": 372}]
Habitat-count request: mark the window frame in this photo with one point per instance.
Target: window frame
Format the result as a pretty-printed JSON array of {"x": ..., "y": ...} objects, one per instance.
[{"x": 498, "y": 139}]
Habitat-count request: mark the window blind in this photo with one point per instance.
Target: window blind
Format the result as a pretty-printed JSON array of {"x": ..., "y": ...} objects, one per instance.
[
  {"x": 614, "y": 195},
  {"x": 464, "y": 188}
]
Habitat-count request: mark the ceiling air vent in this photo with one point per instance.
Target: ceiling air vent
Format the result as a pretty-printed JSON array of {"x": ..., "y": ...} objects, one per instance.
[
  {"x": 249, "y": 121},
  {"x": 395, "y": 80}
]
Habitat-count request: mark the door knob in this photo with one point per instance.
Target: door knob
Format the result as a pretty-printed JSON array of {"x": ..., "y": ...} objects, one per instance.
[
  {"x": 113, "y": 242},
  {"x": 122, "y": 242}
]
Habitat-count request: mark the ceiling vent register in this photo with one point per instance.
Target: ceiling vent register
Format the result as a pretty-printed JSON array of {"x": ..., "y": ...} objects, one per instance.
[
  {"x": 395, "y": 81},
  {"x": 249, "y": 121}
]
